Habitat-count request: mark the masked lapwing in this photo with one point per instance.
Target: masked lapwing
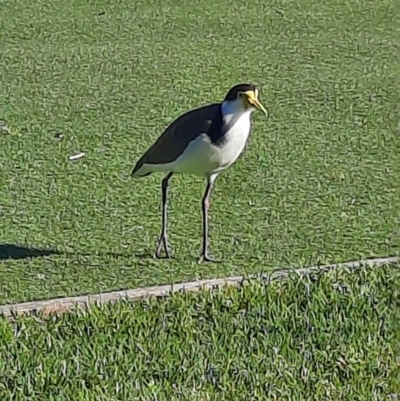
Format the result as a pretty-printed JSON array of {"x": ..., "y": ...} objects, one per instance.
[{"x": 203, "y": 142}]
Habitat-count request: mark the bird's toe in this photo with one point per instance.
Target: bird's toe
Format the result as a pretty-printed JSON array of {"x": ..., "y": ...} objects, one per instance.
[{"x": 206, "y": 258}]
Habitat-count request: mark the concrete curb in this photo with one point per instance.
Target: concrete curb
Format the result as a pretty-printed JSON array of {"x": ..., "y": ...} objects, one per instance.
[{"x": 60, "y": 305}]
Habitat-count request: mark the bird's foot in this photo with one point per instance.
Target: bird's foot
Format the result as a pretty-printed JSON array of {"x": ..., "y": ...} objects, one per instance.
[
  {"x": 162, "y": 243},
  {"x": 157, "y": 255},
  {"x": 206, "y": 258}
]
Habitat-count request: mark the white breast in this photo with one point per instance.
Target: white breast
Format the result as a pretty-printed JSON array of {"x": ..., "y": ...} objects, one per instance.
[{"x": 235, "y": 141}]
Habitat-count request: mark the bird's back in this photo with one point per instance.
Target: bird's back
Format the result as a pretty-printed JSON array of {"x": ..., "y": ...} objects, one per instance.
[{"x": 177, "y": 136}]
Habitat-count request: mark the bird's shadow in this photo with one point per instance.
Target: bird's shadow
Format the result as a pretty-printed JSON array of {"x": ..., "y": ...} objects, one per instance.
[
  {"x": 19, "y": 252},
  {"x": 16, "y": 252}
]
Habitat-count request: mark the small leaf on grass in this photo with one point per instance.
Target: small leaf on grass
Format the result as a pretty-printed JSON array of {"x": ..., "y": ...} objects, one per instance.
[{"x": 77, "y": 156}]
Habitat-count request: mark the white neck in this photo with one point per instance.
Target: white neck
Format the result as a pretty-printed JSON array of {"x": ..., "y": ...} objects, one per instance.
[{"x": 234, "y": 111}]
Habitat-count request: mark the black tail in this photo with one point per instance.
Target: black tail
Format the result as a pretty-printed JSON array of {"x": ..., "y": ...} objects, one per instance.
[{"x": 136, "y": 169}]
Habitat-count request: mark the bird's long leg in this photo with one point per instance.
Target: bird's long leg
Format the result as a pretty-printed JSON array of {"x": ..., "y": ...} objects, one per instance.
[
  {"x": 204, "y": 257},
  {"x": 163, "y": 240}
]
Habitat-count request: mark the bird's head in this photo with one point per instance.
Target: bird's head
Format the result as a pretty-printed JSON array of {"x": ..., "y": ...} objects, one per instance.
[{"x": 244, "y": 97}]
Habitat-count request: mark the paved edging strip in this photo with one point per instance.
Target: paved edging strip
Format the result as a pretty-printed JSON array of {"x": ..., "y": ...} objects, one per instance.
[{"x": 60, "y": 305}]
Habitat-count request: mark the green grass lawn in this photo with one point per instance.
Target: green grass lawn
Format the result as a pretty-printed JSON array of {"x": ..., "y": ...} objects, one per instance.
[
  {"x": 328, "y": 337},
  {"x": 318, "y": 179}
]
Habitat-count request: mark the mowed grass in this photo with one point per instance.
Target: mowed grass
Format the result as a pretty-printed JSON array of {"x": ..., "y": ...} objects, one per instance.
[
  {"x": 316, "y": 184},
  {"x": 327, "y": 337}
]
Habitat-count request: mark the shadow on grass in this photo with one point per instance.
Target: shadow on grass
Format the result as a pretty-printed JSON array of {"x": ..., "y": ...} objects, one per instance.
[
  {"x": 11, "y": 251},
  {"x": 17, "y": 252}
]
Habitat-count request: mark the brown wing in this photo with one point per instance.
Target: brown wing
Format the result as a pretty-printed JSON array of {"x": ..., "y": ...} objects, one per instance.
[{"x": 176, "y": 137}]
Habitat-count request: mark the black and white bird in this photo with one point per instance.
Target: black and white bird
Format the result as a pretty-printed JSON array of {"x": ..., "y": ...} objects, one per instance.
[{"x": 203, "y": 142}]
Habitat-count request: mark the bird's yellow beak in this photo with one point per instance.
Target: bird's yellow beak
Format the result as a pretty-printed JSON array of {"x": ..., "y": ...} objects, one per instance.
[{"x": 252, "y": 98}]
